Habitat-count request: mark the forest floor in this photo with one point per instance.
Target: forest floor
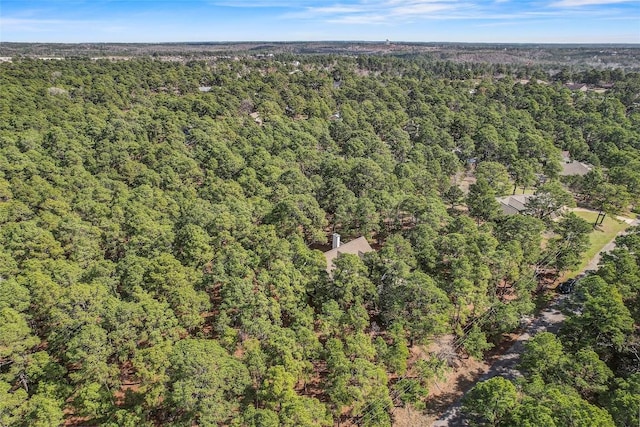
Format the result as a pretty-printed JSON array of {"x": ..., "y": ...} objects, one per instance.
[
  {"x": 463, "y": 180},
  {"x": 449, "y": 389}
]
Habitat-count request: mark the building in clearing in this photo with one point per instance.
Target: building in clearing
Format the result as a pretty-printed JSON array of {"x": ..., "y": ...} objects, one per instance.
[
  {"x": 572, "y": 167},
  {"x": 580, "y": 87},
  {"x": 515, "y": 204},
  {"x": 359, "y": 247}
]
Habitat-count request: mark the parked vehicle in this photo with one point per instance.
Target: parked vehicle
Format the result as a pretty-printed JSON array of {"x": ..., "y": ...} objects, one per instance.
[{"x": 567, "y": 286}]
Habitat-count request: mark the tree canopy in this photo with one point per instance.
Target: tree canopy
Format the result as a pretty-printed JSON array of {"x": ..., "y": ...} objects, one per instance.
[{"x": 161, "y": 245}]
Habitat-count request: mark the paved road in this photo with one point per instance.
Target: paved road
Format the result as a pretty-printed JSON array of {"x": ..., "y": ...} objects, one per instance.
[{"x": 550, "y": 320}]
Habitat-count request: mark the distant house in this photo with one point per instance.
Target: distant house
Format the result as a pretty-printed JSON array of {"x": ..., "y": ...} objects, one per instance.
[
  {"x": 512, "y": 205},
  {"x": 538, "y": 81},
  {"x": 204, "y": 88},
  {"x": 580, "y": 87},
  {"x": 572, "y": 167},
  {"x": 256, "y": 117},
  {"x": 359, "y": 247}
]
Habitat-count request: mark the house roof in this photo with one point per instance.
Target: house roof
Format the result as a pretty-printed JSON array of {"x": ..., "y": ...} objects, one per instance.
[
  {"x": 577, "y": 86},
  {"x": 574, "y": 168},
  {"x": 359, "y": 247},
  {"x": 515, "y": 204},
  {"x": 256, "y": 117}
]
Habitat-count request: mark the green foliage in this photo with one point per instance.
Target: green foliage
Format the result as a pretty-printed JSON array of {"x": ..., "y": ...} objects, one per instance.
[
  {"x": 158, "y": 236},
  {"x": 604, "y": 322},
  {"x": 358, "y": 383},
  {"x": 454, "y": 196},
  {"x": 431, "y": 369},
  {"x": 490, "y": 401},
  {"x": 350, "y": 284},
  {"x": 571, "y": 243},
  {"x": 475, "y": 343},
  {"x": 496, "y": 175},
  {"x": 411, "y": 391},
  {"x": 621, "y": 267},
  {"x": 624, "y": 402},
  {"x": 544, "y": 356},
  {"x": 593, "y": 360},
  {"x": 15, "y": 338},
  {"x": 531, "y": 413},
  {"x": 416, "y": 302},
  {"x": 523, "y": 229},
  {"x": 43, "y": 411},
  {"x": 523, "y": 174},
  {"x": 496, "y": 402},
  {"x": 92, "y": 400},
  {"x": 482, "y": 201},
  {"x": 193, "y": 245},
  {"x": 277, "y": 395},
  {"x": 548, "y": 199},
  {"x": 567, "y": 407},
  {"x": 11, "y": 404},
  {"x": 395, "y": 355},
  {"x": 205, "y": 381}
]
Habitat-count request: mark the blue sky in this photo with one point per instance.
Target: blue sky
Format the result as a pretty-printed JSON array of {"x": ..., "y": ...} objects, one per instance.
[{"x": 536, "y": 21}]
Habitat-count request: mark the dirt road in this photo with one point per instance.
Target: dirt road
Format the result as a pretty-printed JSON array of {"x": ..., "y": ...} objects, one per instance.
[{"x": 549, "y": 320}]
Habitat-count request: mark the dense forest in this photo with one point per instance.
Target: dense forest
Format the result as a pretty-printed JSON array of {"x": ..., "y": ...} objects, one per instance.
[{"x": 160, "y": 225}]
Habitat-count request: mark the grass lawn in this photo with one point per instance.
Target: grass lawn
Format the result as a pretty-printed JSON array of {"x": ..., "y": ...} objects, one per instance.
[
  {"x": 529, "y": 190},
  {"x": 599, "y": 237}
]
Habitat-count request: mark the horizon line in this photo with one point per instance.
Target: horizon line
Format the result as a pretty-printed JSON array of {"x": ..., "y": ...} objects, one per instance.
[{"x": 391, "y": 42}]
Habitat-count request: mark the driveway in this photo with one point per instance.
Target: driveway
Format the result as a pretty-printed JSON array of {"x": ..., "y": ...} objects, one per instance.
[{"x": 550, "y": 319}]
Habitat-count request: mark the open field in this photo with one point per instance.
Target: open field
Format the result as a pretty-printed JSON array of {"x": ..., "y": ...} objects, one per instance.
[
  {"x": 521, "y": 190},
  {"x": 599, "y": 237}
]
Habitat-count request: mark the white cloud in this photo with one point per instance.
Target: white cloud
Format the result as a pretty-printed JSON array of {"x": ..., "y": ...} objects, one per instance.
[
  {"x": 382, "y": 11},
  {"x": 398, "y": 12},
  {"x": 359, "y": 19},
  {"x": 579, "y": 3},
  {"x": 337, "y": 9},
  {"x": 250, "y": 4},
  {"x": 13, "y": 23},
  {"x": 420, "y": 9}
]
